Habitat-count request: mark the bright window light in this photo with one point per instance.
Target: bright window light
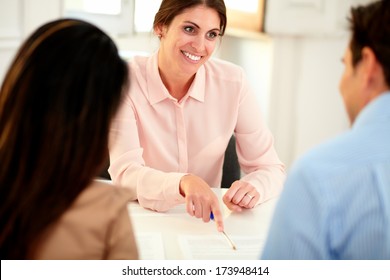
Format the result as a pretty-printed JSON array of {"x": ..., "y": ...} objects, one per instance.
[
  {"x": 249, "y": 6},
  {"x": 108, "y": 7},
  {"x": 145, "y": 11}
]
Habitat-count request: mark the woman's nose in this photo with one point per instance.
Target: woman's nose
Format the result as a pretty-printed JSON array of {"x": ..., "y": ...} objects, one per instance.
[{"x": 198, "y": 43}]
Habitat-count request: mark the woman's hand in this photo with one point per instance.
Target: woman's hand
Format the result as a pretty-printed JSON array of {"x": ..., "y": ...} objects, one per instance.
[
  {"x": 241, "y": 195},
  {"x": 200, "y": 199}
]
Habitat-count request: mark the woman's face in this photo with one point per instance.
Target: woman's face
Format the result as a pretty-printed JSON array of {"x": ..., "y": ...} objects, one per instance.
[{"x": 189, "y": 41}]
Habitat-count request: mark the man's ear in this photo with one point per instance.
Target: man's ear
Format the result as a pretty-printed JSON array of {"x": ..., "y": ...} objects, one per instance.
[
  {"x": 371, "y": 73},
  {"x": 367, "y": 64}
]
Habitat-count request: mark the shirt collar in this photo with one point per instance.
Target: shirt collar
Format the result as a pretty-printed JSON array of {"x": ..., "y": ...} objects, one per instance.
[
  {"x": 157, "y": 91},
  {"x": 376, "y": 111}
]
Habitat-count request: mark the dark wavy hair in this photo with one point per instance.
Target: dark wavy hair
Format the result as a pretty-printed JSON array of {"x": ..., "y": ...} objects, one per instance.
[
  {"x": 56, "y": 105},
  {"x": 169, "y": 9},
  {"x": 370, "y": 26}
]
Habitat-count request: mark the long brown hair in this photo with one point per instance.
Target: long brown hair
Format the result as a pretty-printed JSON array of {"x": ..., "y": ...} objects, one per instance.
[{"x": 56, "y": 105}]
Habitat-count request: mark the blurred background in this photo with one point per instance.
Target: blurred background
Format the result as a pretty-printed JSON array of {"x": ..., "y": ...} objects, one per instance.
[{"x": 291, "y": 51}]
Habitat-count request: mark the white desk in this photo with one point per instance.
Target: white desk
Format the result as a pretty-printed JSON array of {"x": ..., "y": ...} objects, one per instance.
[{"x": 177, "y": 235}]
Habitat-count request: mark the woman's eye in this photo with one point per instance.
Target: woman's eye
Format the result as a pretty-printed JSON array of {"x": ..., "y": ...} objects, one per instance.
[
  {"x": 212, "y": 35},
  {"x": 189, "y": 29}
]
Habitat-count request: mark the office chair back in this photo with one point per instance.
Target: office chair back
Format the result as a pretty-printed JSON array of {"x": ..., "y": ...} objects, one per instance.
[{"x": 231, "y": 168}]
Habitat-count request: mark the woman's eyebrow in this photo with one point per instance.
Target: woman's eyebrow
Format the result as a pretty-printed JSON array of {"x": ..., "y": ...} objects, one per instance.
[{"x": 197, "y": 26}]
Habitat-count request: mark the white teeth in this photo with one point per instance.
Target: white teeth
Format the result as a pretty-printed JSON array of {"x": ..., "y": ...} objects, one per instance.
[{"x": 191, "y": 56}]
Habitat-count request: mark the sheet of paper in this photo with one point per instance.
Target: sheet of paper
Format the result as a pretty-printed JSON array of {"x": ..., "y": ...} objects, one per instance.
[
  {"x": 216, "y": 247},
  {"x": 151, "y": 246}
]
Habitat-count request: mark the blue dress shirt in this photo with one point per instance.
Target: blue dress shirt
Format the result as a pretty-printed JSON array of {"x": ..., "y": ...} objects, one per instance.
[{"x": 336, "y": 199}]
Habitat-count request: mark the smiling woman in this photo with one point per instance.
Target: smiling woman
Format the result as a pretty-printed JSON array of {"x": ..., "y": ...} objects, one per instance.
[
  {"x": 183, "y": 106},
  {"x": 186, "y": 42}
]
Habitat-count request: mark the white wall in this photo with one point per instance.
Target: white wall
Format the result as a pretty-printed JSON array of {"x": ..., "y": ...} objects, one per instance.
[
  {"x": 18, "y": 18},
  {"x": 254, "y": 54},
  {"x": 306, "y": 107},
  {"x": 309, "y": 39},
  {"x": 319, "y": 106}
]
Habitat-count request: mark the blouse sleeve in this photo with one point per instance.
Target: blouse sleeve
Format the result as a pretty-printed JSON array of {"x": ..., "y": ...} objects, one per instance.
[{"x": 255, "y": 148}]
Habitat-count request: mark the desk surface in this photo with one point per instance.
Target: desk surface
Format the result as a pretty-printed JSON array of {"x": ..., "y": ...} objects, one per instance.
[{"x": 177, "y": 235}]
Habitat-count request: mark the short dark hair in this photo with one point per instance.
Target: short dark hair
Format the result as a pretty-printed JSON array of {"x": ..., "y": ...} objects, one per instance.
[
  {"x": 57, "y": 102},
  {"x": 169, "y": 9},
  {"x": 370, "y": 26}
]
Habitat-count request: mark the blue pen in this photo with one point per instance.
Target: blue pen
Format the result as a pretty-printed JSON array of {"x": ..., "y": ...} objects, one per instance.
[{"x": 226, "y": 236}]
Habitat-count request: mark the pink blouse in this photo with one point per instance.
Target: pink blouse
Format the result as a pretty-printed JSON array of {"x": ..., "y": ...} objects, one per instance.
[{"x": 155, "y": 139}]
